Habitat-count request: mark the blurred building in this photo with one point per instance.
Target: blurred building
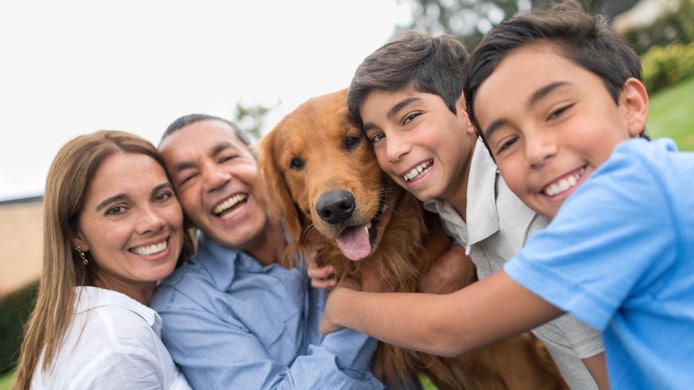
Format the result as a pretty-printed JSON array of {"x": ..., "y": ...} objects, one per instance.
[{"x": 21, "y": 242}]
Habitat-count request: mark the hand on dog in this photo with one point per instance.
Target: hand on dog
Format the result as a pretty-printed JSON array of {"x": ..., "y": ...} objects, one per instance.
[
  {"x": 322, "y": 276},
  {"x": 450, "y": 272}
]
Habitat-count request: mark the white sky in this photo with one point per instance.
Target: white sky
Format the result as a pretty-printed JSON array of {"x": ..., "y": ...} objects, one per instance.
[{"x": 70, "y": 67}]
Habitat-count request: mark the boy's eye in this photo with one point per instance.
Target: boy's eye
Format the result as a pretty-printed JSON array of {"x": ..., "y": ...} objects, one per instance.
[
  {"x": 375, "y": 137},
  {"x": 505, "y": 144},
  {"x": 558, "y": 112},
  {"x": 409, "y": 118}
]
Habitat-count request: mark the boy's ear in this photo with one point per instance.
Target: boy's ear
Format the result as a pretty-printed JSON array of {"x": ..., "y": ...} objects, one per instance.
[
  {"x": 461, "y": 109},
  {"x": 634, "y": 105}
]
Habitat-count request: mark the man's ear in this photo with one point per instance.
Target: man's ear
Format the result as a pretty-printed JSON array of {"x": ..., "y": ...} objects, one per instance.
[{"x": 634, "y": 105}]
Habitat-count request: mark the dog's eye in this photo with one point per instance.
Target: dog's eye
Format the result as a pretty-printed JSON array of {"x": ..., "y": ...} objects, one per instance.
[
  {"x": 296, "y": 163},
  {"x": 351, "y": 142}
]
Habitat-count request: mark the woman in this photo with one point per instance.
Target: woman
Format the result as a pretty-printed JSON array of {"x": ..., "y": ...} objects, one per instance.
[{"x": 112, "y": 229}]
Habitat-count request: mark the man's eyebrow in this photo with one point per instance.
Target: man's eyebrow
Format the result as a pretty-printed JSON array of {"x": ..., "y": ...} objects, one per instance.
[
  {"x": 220, "y": 147},
  {"x": 534, "y": 99},
  {"x": 216, "y": 149}
]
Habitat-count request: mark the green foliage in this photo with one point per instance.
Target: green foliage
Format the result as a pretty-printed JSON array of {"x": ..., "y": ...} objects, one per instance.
[
  {"x": 469, "y": 20},
  {"x": 666, "y": 65},
  {"x": 251, "y": 118},
  {"x": 676, "y": 26},
  {"x": 6, "y": 380},
  {"x": 670, "y": 114},
  {"x": 15, "y": 309}
]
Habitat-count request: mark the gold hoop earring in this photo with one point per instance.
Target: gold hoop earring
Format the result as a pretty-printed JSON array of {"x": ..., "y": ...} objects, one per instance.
[{"x": 83, "y": 256}]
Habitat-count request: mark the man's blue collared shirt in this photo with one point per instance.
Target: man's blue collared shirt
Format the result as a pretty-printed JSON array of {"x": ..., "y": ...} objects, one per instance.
[{"x": 231, "y": 323}]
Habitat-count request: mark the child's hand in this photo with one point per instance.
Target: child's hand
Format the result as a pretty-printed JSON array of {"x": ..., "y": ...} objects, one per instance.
[
  {"x": 322, "y": 276},
  {"x": 450, "y": 272},
  {"x": 327, "y": 326}
]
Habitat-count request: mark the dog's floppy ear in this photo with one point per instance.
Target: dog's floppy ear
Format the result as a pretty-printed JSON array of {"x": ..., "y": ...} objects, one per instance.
[{"x": 280, "y": 204}]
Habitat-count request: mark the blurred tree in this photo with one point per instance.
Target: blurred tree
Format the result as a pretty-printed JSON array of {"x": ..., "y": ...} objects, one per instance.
[
  {"x": 469, "y": 20},
  {"x": 251, "y": 118}
]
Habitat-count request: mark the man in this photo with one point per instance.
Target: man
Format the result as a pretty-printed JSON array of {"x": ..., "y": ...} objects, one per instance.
[{"x": 239, "y": 315}]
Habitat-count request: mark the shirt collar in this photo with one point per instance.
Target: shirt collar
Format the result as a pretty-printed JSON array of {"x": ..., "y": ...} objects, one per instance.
[
  {"x": 90, "y": 297},
  {"x": 220, "y": 261}
]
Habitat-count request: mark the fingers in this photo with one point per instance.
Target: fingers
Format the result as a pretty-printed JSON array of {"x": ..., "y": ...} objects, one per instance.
[
  {"x": 326, "y": 282},
  {"x": 321, "y": 276}
]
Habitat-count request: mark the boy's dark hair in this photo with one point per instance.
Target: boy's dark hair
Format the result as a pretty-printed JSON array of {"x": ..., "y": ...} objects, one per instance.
[
  {"x": 192, "y": 118},
  {"x": 578, "y": 36},
  {"x": 429, "y": 64}
]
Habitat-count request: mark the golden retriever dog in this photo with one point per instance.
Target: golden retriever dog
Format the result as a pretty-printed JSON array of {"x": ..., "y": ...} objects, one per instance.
[{"x": 325, "y": 184}]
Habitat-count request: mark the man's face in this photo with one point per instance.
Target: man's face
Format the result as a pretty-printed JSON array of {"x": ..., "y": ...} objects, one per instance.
[
  {"x": 217, "y": 182},
  {"x": 550, "y": 123}
]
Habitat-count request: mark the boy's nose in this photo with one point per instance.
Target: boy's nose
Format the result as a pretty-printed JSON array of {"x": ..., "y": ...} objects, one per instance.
[
  {"x": 539, "y": 148},
  {"x": 396, "y": 150}
]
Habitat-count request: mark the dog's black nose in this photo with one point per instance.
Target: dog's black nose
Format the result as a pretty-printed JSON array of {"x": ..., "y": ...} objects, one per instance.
[{"x": 335, "y": 206}]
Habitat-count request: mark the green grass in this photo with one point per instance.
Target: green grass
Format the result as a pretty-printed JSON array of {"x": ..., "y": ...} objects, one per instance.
[
  {"x": 671, "y": 114},
  {"x": 5, "y": 380}
]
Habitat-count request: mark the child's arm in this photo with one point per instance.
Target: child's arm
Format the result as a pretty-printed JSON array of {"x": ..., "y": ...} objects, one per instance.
[{"x": 448, "y": 325}]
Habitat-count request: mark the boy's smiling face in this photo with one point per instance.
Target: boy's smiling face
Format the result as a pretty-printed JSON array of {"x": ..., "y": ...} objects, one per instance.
[
  {"x": 550, "y": 123},
  {"x": 419, "y": 142}
]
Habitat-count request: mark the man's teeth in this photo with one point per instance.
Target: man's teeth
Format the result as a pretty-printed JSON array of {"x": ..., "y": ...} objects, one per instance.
[
  {"x": 416, "y": 171},
  {"x": 565, "y": 183},
  {"x": 151, "y": 249},
  {"x": 229, "y": 203}
]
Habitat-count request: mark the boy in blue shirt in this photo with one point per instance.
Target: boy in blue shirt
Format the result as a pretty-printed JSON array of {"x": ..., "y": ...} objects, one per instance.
[
  {"x": 408, "y": 96},
  {"x": 557, "y": 98}
]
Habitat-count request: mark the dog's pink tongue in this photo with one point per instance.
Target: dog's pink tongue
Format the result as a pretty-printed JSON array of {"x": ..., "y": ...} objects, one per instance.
[{"x": 354, "y": 243}]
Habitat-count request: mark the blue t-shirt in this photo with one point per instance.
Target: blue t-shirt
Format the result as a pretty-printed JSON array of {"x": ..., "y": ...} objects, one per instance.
[
  {"x": 619, "y": 255},
  {"x": 230, "y": 323}
]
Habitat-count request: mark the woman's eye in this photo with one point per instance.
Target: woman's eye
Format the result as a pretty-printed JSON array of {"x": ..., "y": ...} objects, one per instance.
[
  {"x": 115, "y": 210},
  {"x": 163, "y": 196}
]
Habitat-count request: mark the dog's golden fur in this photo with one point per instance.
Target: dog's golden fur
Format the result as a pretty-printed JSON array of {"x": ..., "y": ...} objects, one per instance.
[{"x": 324, "y": 180}]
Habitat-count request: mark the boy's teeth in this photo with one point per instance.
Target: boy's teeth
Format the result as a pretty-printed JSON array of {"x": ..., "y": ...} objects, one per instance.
[
  {"x": 151, "y": 249},
  {"x": 416, "y": 171},
  {"x": 564, "y": 184}
]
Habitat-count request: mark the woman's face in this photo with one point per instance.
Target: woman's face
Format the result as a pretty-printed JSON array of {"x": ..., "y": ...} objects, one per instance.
[{"x": 131, "y": 224}]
